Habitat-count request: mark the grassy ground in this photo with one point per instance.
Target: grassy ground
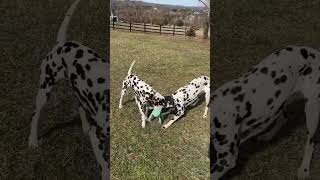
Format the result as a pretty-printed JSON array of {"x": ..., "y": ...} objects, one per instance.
[
  {"x": 166, "y": 63},
  {"x": 244, "y": 32},
  {"x": 28, "y": 31}
]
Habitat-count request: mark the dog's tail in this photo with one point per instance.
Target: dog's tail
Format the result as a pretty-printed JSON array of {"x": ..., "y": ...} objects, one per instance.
[
  {"x": 64, "y": 26},
  {"x": 129, "y": 71}
]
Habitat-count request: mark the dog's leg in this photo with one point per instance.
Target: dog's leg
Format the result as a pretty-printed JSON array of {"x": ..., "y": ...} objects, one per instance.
[
  {"x": 41, "y": 99},
  {"x": 100, "y": 153},
  {"x": 143, "y": 117},
  {"x": 85, "y": 123},
  {"x": 123, "y": 91},
  {"x": 225, "y": 148},
  {"x": 180, "y": 112},
  {"x": 312, "y": 120},
  {"x": 195, "y": 102},
  {"x": 207, "y": 91}
]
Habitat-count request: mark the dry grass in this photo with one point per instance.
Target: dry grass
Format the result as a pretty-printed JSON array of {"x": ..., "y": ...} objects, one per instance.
[
  {"x": 28, "y": 32},
  {"x": 244, "y": 32},
  {"x": 166, "y": 63}
]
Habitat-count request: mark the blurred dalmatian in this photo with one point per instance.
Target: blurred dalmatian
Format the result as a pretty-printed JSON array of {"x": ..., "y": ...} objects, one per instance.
[
  {"x": 254, "y": 105},
  {"x": 87, "y": 72}
]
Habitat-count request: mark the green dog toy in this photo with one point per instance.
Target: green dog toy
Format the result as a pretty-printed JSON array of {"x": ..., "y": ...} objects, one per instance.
[{"x": 156, "y": 113}]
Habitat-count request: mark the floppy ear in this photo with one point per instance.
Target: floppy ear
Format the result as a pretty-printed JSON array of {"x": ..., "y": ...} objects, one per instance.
[
  {"x": 169, "y": 99},
  {"x": 150, "y": 99}
]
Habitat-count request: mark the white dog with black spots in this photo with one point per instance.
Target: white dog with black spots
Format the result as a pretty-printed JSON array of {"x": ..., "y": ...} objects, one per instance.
[
  {"x": 145, "y": 95},
  {"x": 253, "y": 105},
  {"x": 88, "y": 74},
  {"x": 188, "y": 95}
]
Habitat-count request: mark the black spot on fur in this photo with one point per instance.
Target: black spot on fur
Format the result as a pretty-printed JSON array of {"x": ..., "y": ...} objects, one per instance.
[
  {"x": 277, "y": 94},
  {"x": 270, "y": 101},
  {"x": 283, "y": 78},
  {"x": 264, "y": 70},
  {"x": 248, "y": 107},
  {"x": 236, "y": 89},
  {"x": 80, "y": 71},
  {"x": 239, "y": 97},
  {"x": 101, "y": 80},
  {"x": 59, "y": 50},
  {"x": 63, "y": 62},
  {"x": 225, "y": 92},
  {"x": 289, "y": 48},
  {"x": 89, "y": 82},
  {"x": 79, "y": 54},
  {"x": 216, "y": 122},
  {"x": 307, "y": 71},
  {"x": 304, "y": 53},
  {"x": 87, "y": 66}
]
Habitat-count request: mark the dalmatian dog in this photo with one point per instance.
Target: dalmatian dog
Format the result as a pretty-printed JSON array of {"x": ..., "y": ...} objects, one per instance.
[
  {"x": 254, "y": 105},
  {"x": 87, "y": 72},
  {"x": 189, "y": 95},
  {"x": 145, "y": 95}
]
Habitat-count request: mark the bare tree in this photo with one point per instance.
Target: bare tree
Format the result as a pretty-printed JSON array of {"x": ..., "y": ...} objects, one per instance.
[{"x": 207, "y": 20}]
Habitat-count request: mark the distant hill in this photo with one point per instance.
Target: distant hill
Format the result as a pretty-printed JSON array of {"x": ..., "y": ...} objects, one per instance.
[{"x": 167, "y": 6}]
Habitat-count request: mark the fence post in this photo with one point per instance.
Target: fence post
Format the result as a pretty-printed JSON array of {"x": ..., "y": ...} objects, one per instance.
[
  {"x": 130, "y": 26},
  {"x": 113, "y": 23},
  {"x": 185, "y": 31},
  {"x": 144, "y": 26},
  {"x": 174, "y": 27},
  {"x": 160, "y": 29}
]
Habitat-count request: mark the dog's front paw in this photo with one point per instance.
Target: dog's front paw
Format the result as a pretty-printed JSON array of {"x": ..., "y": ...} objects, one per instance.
[
  {"x": 33, "y": 142},
  {"x": 303, "y": 173},
  {"x": 120, "y": 106},
  {"x": 143, "y": 124}
]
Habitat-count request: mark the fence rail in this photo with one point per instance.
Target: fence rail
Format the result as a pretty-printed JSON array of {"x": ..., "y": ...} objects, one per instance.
[{"x": 150, "y": 28}]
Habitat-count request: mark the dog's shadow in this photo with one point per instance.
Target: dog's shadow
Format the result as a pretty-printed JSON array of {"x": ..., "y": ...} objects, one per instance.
[
  {"x": 76, "y": 121},
  {"x": 129, "y": 101},
  {"x": 296, "y": 118}
]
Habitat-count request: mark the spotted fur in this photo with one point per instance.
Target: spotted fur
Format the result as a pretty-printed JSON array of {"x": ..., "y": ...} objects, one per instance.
[
  {"x": 189, "y": 95},
  {"x": 88, "y": 74},
  {"x": 253, "y": 105},
  {"x": 144, "y": 94}
]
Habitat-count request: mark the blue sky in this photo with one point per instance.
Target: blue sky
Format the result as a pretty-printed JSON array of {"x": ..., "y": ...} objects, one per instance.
[{"x": 177, "y": 2}]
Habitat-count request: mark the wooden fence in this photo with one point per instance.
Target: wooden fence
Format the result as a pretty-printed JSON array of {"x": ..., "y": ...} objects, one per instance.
[{"x": 148, "y": 28}]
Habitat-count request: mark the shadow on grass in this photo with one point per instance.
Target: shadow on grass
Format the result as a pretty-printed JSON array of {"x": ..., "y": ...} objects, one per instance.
[
  {"x": 76, "y": 121},
  {"x": 296, "y": 118}
]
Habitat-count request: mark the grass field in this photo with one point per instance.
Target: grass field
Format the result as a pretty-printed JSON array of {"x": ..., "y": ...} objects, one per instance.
[
  {"x": 28, "y": 32},
  {"x": 166, "y": 63},
  {"x": 244, "y": 32}
]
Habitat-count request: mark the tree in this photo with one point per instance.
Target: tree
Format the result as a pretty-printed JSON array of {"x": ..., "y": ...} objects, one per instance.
[{"x": 206, "y": 25}]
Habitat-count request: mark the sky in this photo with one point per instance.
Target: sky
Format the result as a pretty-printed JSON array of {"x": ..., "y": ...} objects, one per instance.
[{"x": 177, "y": 2}]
